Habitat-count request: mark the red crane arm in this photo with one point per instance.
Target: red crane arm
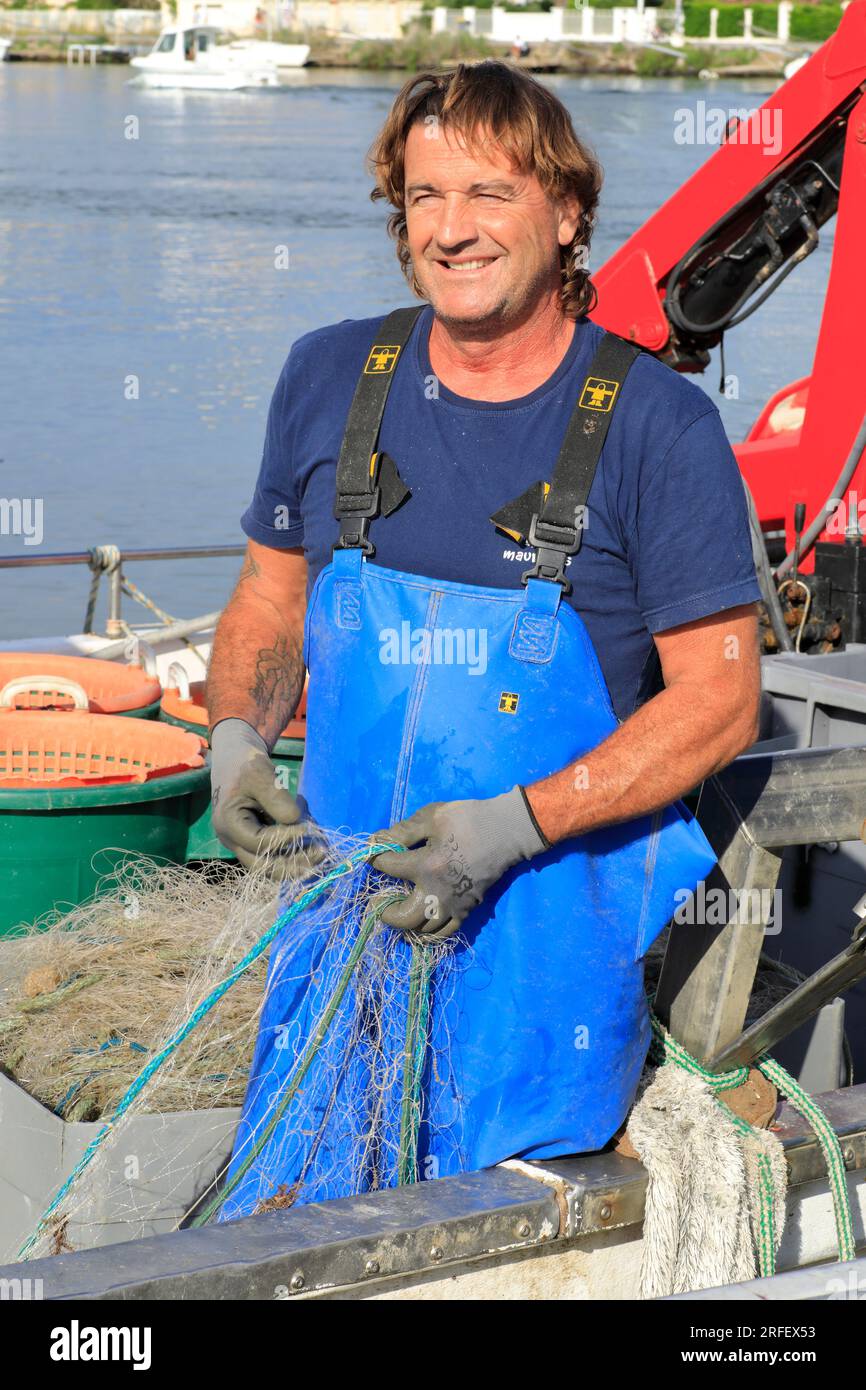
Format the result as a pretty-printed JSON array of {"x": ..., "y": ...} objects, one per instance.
[{"x": 755, "y": 206}]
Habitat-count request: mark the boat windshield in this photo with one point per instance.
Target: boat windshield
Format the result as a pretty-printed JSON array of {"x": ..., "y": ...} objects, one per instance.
[
  {"x": 165, "y": 44},
  {"x": 196, "y": 41}
]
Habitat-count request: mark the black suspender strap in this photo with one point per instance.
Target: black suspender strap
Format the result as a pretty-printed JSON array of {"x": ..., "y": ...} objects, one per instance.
[
  {"x": 368, "y": 484},
  {"x": 550, "y": 519}
]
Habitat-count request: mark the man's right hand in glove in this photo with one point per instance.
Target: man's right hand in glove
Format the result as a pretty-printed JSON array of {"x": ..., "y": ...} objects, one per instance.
[{"x": 258, "y": 820}]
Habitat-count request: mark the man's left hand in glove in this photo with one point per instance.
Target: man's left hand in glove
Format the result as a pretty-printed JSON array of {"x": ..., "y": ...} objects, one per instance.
[{"x": 455, "y": 851}]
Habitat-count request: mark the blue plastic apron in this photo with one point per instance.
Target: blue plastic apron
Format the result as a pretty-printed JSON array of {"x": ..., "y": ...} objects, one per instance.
[{"x": 420, "y": 691}]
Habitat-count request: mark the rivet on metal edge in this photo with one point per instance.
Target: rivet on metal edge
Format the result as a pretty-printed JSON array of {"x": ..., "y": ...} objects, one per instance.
[
  {"x": 848, "y": 1155},
  {"x": 296, "y": 1282},
  {"x": 371, "y": 1267},
  {"x": 605, "y": 1213},
  {"x": 436, "y": 1252},
  {"x": 524, "y": 1229}
]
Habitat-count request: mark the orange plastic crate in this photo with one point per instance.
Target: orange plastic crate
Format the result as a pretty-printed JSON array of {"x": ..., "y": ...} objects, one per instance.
[
  {"x": 84, "y": 750},
  {"x": 110, "y": 687}
]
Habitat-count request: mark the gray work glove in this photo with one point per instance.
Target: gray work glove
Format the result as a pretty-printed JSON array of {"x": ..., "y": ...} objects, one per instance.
[
  {"x": 464, "y": 848},
  {"x": 257, "y": 819}
]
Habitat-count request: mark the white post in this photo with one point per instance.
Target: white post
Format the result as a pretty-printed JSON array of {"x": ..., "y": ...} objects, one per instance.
[
  {"x": 747, "y": 23},
  {"x": 783, "y": 32},
  {"x": 714, "y": 24},
  {"x": 586, "y": 22}
]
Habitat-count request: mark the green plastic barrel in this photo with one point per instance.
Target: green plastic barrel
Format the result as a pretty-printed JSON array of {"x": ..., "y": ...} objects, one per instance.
[
  {"x": 145, "y": 712},
  {"x": 78, "y": 793},
  {"x": 56, "y": 843}
]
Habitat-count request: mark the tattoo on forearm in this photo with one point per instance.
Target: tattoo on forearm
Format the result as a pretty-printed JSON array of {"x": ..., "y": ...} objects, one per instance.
[
  {"x": 250, "y": 569},
  {"x": 279, "y": 678}
]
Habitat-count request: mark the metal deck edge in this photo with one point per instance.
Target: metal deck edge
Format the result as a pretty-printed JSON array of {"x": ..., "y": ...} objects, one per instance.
[
  {"x": 321, "y": 1246},
  {"x": 402, "y": 1231}
]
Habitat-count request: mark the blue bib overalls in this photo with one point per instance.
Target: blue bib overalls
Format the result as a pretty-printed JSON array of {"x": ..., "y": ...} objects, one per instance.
[{"x": 423, "y": 690}]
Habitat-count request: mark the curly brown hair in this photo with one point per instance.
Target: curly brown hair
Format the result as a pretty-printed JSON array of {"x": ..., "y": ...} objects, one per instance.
[{"x": 530, "y": 124}]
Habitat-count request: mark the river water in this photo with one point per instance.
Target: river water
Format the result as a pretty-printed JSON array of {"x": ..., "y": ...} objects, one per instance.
[{"x": 153, "y": 259}]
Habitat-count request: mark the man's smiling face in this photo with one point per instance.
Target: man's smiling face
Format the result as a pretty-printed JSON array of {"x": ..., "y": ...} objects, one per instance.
[{"x": 484, "y": 238}]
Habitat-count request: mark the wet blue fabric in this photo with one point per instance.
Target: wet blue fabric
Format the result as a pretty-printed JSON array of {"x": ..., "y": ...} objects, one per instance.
[{"x": 423, "y": 690}]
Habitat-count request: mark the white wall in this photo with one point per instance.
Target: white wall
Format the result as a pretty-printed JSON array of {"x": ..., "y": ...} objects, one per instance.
[
  {"x": 371, "y": 19},
  {"x": 631, "y": 24},
  {"x": 55, "y": 23}
]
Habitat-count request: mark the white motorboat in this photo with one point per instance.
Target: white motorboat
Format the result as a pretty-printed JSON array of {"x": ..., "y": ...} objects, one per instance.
[
  {"x": 282, "y": 55},
  {"x": 195, "y": 58},
  {"x": 5, "y": 45}
]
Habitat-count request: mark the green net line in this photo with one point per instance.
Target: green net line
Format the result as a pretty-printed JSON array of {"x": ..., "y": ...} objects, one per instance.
[
  {"x": 830, "y": 1147},
  {"x": 413, "y": 1063},
  {"x": 664, "y": 1048}
]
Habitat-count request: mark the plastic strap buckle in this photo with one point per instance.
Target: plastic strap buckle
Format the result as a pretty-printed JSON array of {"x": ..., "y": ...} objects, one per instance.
[
  {"x": 355, "y": 511},
  {"x": 552, "y": 544}
]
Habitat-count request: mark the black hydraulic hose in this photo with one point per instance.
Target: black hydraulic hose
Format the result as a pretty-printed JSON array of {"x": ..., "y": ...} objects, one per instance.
[
  {"x": 813, "y": 531},
  {"x": 722, "y": 284},
  {"x": 765, "y": 576},
  {"x": 732, "y": 318}
]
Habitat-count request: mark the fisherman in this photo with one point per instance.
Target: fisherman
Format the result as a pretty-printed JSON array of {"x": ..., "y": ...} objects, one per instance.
[{"x": 522, "y": 550}]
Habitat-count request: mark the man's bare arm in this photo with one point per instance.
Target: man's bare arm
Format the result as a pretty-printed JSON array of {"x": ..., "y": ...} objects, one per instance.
[
  {"x": 256, "y": 669},
  {"x": 705, "y": 716}
]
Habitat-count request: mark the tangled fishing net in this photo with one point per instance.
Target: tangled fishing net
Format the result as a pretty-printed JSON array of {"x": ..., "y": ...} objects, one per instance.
[
  {"x": 89, "y": 998},
  {"x": 148, "y": 1001},
  {"x": 167, "y": 992}
]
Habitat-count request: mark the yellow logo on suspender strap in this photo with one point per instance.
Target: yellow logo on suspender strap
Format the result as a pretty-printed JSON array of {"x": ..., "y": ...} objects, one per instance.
[
  {"x": 382, "y": 360},
  {"x": 598, "y": 394}
]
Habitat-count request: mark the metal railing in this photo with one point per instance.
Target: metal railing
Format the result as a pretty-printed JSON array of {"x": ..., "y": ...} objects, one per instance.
[{"x": 109, "y": 560}]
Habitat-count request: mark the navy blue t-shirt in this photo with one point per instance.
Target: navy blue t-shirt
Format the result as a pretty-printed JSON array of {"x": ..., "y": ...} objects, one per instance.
[{"x": 666, "y": 536}]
